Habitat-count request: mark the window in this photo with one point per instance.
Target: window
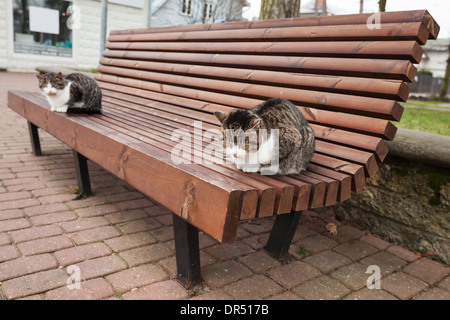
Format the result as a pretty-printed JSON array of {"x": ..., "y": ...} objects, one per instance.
[
  {"x": 40, "y": 28},
  {"x": 186, "y": 7},
  {"x": 207, "y": 10}
]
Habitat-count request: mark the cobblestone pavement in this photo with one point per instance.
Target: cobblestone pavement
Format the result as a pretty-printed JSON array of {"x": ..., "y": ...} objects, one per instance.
[{"x": 121, "y": 244}]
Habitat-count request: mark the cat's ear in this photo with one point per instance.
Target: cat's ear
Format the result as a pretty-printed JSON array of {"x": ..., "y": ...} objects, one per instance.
[
  {"x": 220, "y": 116},
  {"x": 40, "y": 77},
  {"x": 255, "y": 123},
  {"x": 59, "y": 75}
]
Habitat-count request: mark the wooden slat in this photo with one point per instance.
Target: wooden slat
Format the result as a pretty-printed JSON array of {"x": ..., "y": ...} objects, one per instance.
[
  {"x": 381, "y": 88},
  {"x": 409, "y": 50},
  {"x": 377, "y": 68},
  {"x": 379, "y": 108},
  {"x": 352, "y": 32}
]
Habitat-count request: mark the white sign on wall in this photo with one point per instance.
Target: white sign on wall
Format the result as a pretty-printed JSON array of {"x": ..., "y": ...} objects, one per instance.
[{"x": 44, "y": 20}]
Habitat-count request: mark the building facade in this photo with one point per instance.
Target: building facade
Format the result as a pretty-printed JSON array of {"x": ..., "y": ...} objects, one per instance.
[{"x": 36, "y": 33}]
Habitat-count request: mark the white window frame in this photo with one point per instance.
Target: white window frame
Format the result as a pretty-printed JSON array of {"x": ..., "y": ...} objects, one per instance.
[
  {"x": 208, "y": 11},
  {"x": 36, "y": 57},
  {"x": 187, "y": 5}
]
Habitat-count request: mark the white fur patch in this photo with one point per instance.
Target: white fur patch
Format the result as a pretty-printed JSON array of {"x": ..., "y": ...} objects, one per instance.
[{"x": 57, "y": 99}]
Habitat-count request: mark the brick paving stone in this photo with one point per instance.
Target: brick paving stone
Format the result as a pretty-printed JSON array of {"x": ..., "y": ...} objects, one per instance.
[
  {"x": 8, "y": 252},
  {"x": 34, "y": 233},
  {"x": 10, "y": 214},
  {"x": 134, "y": 204},
  {"x": 46, "y": 208},
  {"x": 139, "y": 225},
  {"x": 83, "y": 224},
  {"x": 346, "y": 233},
  {"x": 353, "y": 275},
  {"x": 146, "y": 254},
  {"x": 427, "y": 270},
  {"x": 14, "y": 224},
  {"x": 123, "y": 216},
  {"x": 316, "y": 243},
  {"x": 356, "y": 250},
  {"x": 229, "y": 251},
  {"x": 259, "y": 261},
  {"x": 94, "y": 211},
  {"x": 385, "y": 260},
  {"x": 434, "y": 294},
  {"x": 216, "y": 294},
  {"x": 253, "y": 288},
  {"x": 44, "y": 245},
  {"x": 100, "y": 267},
  {"x": 445, "y": 283},
  {"x": 136, "y": 277},
  {"x": 402, "y": 285},
  {"x": 4, "y": 239},
  {"x": 370, "y": 294},
  {"x": 45, "y": 219},
  {"x": 131, "y": 241},
  {"x": 402, "y": 253},
  {"x": 164, "y": 290},
  {"x": 328, "y": 260},
  {"x": 80, "y": 253},
  {"x": 286, "y": 296},
  {"x": 94, "y": 235},
  {"x": 223, "y": 273},
  {"x": 94, "y": 289},
  {"x": 321, "y": 288},
  {"x": 34, "y": 283},
  {"x": 257, "y": 226},
  {"x": 376, "y": 241},
  {"x": 293, "y": 274}
]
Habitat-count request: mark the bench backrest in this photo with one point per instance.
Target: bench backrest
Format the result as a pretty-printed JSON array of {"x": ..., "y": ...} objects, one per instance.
[{"x": 345, "y": 74}]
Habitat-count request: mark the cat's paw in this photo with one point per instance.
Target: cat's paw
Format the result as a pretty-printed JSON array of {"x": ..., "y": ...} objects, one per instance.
[
  {"x": 62, "y": 109},
  {"x": 250, "y": 168},
  {"x": 53, "y": 109}
]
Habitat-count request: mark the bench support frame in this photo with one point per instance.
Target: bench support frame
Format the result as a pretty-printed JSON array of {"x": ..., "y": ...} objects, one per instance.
[
  {"x": 282, "y": 233},
  {"x": 82, "y": 170},
  {"x": 34, "y": 137},
  {"x": 187, "y": 252}
]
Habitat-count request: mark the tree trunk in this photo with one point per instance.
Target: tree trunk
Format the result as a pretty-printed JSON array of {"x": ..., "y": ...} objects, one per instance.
[
  {"x": 276, "y": 9},
  {"x": 382, "y": 5},
  {"x": 446, "y": 80}
]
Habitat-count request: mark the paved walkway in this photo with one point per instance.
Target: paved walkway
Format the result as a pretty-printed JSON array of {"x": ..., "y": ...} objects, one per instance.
[{"x": 121, "y": 244}]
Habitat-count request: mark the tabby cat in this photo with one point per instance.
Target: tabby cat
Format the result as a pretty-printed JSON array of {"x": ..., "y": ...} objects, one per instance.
[
  {"x": 271, "y": 138},
  {"x": 75, "y": 93}
]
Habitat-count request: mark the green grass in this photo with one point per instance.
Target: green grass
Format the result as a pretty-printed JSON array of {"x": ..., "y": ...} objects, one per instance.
[{"x": 422, "y": 119}]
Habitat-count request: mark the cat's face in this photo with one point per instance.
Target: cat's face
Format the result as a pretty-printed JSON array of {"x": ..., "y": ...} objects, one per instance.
[
  {"x": 51, "y": 83},
  {"x": 240, "y": 130}
]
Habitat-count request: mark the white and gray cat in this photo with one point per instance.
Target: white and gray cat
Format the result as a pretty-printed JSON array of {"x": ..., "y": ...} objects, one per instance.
[
  {"x": 75, "y": 93},
  {"x": 282, "y": 143}
]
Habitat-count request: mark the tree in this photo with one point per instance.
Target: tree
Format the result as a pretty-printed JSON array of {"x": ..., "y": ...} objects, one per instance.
[
  {"x": 446, "y": 80},
  {"x": 276, "y": 9},
  {"x": 382, "y": 5}
]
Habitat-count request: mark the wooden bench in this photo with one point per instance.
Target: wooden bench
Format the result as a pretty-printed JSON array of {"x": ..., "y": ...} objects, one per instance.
[{"x": 346, "y": 77}]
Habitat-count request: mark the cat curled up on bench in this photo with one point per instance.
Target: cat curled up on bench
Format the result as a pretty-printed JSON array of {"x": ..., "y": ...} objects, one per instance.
[
  {"x": 271, "y": 138},
  {"x": 75, "y": 93}
]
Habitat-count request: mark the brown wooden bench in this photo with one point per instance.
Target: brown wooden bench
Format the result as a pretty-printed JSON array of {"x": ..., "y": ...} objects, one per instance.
[{"x": 345, "y": 76}]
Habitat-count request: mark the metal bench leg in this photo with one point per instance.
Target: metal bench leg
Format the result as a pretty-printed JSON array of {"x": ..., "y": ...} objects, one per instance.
[
  {"x": 282, "y": 233},
  {"x": 81, "y": 167},
  {"x": 34, "y": 137},
  {"x": 187, "y": 251}
]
